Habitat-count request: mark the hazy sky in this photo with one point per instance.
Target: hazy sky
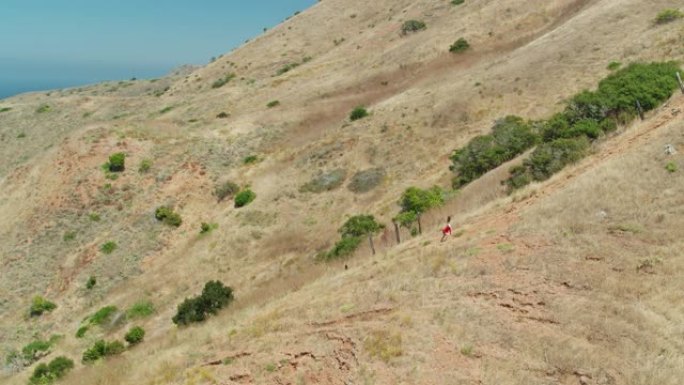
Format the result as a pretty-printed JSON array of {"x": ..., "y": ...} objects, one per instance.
[{"x": 56, "y": 43}]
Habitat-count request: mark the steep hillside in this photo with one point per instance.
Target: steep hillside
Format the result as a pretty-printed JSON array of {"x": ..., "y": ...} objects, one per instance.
[{"x": 575, "y": 280}]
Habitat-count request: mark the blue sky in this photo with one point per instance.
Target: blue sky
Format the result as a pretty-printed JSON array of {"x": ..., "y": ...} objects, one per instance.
[{"x": 48, "y": 44}]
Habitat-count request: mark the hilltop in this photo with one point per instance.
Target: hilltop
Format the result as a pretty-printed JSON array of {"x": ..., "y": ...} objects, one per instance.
[{"x": 572, "y": 280}]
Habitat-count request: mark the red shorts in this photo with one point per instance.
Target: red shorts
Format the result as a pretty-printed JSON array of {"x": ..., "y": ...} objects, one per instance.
[{"x": 446, "y": 230}]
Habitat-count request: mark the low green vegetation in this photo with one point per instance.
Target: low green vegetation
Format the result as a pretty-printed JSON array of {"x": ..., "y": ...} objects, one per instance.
[
  {"x": 367, "y": 180},
  {"x": 140, "y": 309},
  {"x": 214, "y": 297},
  {"x": 91, "y": 282},
  {"x": 325, "y": 181},
  {"x": 668, "y": 15},
  {"x": 612, "y": 66},
  {"x": 45, "y": 374},
  {"x": 226, "y": 189},
  {"x": 40, "y": 305},
  {"x": 223, "y": 81},
  {"x": 35, "y": 350},
  {"x": 250, "y": 159},
  {"x": 81, "y": 332},
  {"x": 357, "y": 113},
  {"x": 165, "y": 110},
  {"x": 273, "y": 103},
  {"x": 135, "y": 335},
  {"x": 42, "y": 109},
  {"x": 108, "y": 247},
  {"x": 244, "y": 197},
  {"x": 5, "y": 109},
  {"x": 287, "y": 68},
  {"x": 117, "y": 162},
  {"x": 457, "y": 2},
  {"x": 145, "y": 166},
  {"x": 206, "y": 228},
  {"x": 671, "y": 167},
  {"x": 103, "y": 316},
  {"x": 169, "y": 217},
  {"x": 412, "y": 26},
  {"x": 459, "y": 46},
  {"x": 102, "y": 349}
]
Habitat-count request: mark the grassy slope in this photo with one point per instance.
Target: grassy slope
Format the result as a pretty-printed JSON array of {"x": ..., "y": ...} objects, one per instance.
[{"x": 437, "y": 298}]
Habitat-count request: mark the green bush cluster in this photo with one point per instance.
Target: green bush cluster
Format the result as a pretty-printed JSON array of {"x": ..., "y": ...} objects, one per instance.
[
  {"x": 244, "y": 197},
  {"x": 45, "y": 374},
  {"x": 102, "y": 349},
  {"x": 117, "y": 162},
  {"x": 135, "y": 335},
  {"x": 457, "y": 2},
  {"x": 145, "y": 166},
  {"x": 168, "y": 216},
  {"x": 37, "y": 349},
  {"x": 40, "y": 305},
  {"x": 510, "y": 137},
  {"x": 273, "y": 103},
  {"x": 357, "y": 113},
  {"x": 287, "y": 68},
  {"x": 352, "y": 232},
  {"x": 108, "y": 247},
  {"x": 589, "y": 114},
  {"x": 668, "y": 15},
  {"x": 223, "y": 81},
  {"x": 459, "y": 46},
  {"x": 206, "y": 228},
  {"x": 42, "y": 109},
  {"x": 103, "y": 315},
  {"x": 140, "y": 309},
  {"x": 91, "y": 282},
  {"x": 412, "y": 26},
  {"x": 225, "y": 190},
  {"x": 214, "y": 297}
]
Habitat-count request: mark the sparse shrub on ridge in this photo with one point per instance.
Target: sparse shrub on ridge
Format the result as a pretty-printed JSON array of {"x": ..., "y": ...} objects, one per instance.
[
  {"x": 357, "y": 113},
  {"x": 166, "y": 215},
  {"x": 43, "y": 108},
  {"x": 45, "y": 374},
  {"x": 135, "y": 335},
  {"x": 223, "y": 81},
  {"x": 457, "y": 2},
  {"x": 412, "y": 26},
  {"x": 145, "y": 166},
  {"x": 108, "y": 247},
  {"x": 214, "y": 297},
  {"x": 140, "y": 309},
  {"x": 225, "y": 190},
  {"x": 102, "y": 349},
  {"x": 668, "y": 15},
  {"x": 273, "y": 103},
  {"x": 117, "y": 162},
  {"x": 459, "y": 46},
  {"x": 40, "y": 305},
  {"x": 244, "y": 197},
  {"x": 92, "y": 281}
]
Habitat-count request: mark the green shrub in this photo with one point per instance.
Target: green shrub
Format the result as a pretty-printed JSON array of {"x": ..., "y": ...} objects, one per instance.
[
  {"x": 42, "y": 109},
  {"x": 457, "y": 2},
  {"x": 273, "y": 103},
  {"x": 108, "y": 247},
  {"x": 225, "y": 190},
  {"x": 412, "y": 26},
  {"x": 92, "y": 281},
  {"x": 95, "y": 217},
  {"x": 244, "y": 197},
  {"x": 145, "y": 166},
  {"x": 668, "y": 15},
  {"x": 671, "y": 167},
  {"x": 223, "y": 81},
  {"x": 166, "y": 215},
  {"x": 40, "y": 305},
  {"x": 325, "y": 181},
  {"x": 102, "y": 349},
  {"x": 250, "y": 159},
  {"x": 612, "y": 66},
  {"x": 104, "y": 315},
  {"x": 140, "y": 309},
  {"x": 510, "y": 137},
  {"x": 222, "y": 115},
  {"x": 214, "y": 297},
  {"x": 206, "y": 228},
  {"x": 5, "y": 109},
  {"x": 360, "y": 225},
  {"x": 47, "y": 373},
  {"x": 459, "y": 45},
  {"x": 418, "y": 201},
  {"x": 69, "y": 236},
  {"x": 35, "y": 350},
  {"x": 364, "y": 181},
  {"x": 117, "y": 162},
  {"x": 81, "y": 332},
  {"x": 520, "y": 176},
  {"x": 357, "y": 113},
  {"x": 344, "y": 247},
  {"x": 165, "y": 110},
  {"x": 287, "y": 68},
  {"x": 549, "y": 158},
  {"x": 135, "y": 335}
]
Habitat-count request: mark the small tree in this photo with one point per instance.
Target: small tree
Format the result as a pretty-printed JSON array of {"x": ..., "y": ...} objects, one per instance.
[
  {"x": 418, "y": 201},
  {"x": 459, "y": 46},
  {"x": 244, "y": 197},
  {"x": 412, "y": 26},
  {"x": 361, "y": 225}
]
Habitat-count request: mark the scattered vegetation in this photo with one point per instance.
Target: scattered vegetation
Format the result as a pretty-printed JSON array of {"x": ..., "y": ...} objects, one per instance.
[
  {"x": 45, "y": 374},
  {"x": 457, "y": 2},
  {"x": 102, "y": 349},
  {"x": 5, "y": 109},
  {"x": 145, "y": 166},
  {"x": 214, "y": 297},
  {"x": 225, "y": 190},
  {"x": 166, "y": 215},
  {"x": 81, "y": 332},
  {"x": 412, "y": 26},
  {"x": 135, "y": 335},
  {"x": 117, "y": 162},
  {"x": 103, "y": 316},
  {"x": 206, "y": 228},
  {"x": 165, "y": 110},
  {"x": 668, "y": 15},
  {"x": 671, "y": 167},
  {"x": 325, "y": 181},
  {"x": 343, "y": 248},
  {"x": 108, "y": 247},
  {"x": 223, "y": 81},
  {"x": 244, "y": 197},
  {"x": 459, "y": 46},
  {"x": 40, "y": 305},
  {"x": 287, "y": 68},
  {"x": 612, "y": 66},
  {"x": 357, "y": 113},
  {"x": 273, "y": 103},
  {"x": 42, "y": 109},
  {"x": 91, "y": 282},
  {"x": 140, "y": 309},
  {"x": 250, "y": 159},
  {"x": 364, "y": 181},
  {"x": 222, "y": 115},
  {"x": 384, "y": 345},
  {"x": 34, "y": 351}
]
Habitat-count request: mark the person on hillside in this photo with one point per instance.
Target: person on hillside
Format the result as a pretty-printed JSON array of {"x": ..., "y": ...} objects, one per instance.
[{"x": 446, "y": 231}]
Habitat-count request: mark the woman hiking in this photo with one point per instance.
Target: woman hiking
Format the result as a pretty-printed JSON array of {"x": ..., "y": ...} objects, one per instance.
[{"x": 446, "y": 231}]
